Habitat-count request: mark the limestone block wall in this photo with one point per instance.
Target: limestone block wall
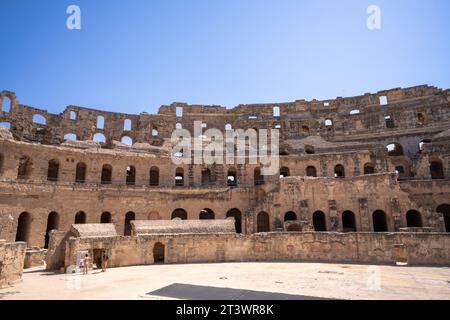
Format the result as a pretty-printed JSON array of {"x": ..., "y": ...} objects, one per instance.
[
  {"x": 373, "y": 248},
  {"x": 12, "y": 256}
]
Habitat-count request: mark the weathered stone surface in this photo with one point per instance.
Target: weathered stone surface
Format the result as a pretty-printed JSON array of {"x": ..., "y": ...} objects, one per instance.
[
  {"x": 175, "y": 226},
  {"x": 12, "y": 256}
]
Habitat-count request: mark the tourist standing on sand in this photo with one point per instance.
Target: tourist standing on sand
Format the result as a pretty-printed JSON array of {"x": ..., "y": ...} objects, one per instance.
[
  {"x": 105, "y": 259},
  {"x": 86, "y": 261}
]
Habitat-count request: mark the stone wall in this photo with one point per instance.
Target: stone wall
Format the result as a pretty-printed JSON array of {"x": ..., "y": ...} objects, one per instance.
[
  {"x": 12, "y": 256},
  {"x": 371, "y": 248},
  {"x": 35, "y": 257}
]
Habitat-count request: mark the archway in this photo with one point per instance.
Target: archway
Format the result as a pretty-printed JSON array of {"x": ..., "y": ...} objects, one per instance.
[
  {"x": 131, "y": 176},
  {"x": 158, "y": 253},
  {"x": 339, "y": 171},
  {"x": 106, "y": 174},
  {"x": 154, "y": 176},
  {"x": 179, "y": 213},
  {"x": 23, "y": 227},
  {"x": 445, "y": 210},
  {"x": 232, "y": 177},
  {"x": 105, "y": 218},
  {"x": 436, "y": 169},
  {"x": 130, "y": 216},
  {"x": 237, "y": 217},
  {"x": 413, "y": 219},
  {"x": 80, "y": 175},
  {"x": 207, "y": 214},
  {"x": 379, "y": 221},
  {"x": 24, "y": 169},
  {"x": 52, "y": 224},
  {"x": 262, "y": 222},
  {"x": 311, "y": 171},
  {"x": 80, "y": 217},
  {"x": 206, "y": 177},
  {"x": 348, "y": 221},
  {"x": 319, "y": 221},
  {"x": 290, "y": 216},
  {"x": 369, "y": 168},
  {"x": 258, "y": 177},
  {"x": 179, "y": 177},
  {"x": 284, "y": 172}
]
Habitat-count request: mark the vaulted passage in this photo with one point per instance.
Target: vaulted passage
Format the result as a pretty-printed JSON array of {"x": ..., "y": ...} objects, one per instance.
[
  {"x": 206, "y": 214},
  {"x": 52, "y": 224},
  {"x": 206, "y": 177},
  {"x": 130, "y": 216},
  {"x": 414, "y": 219},
  {"x": 131, "y": 176},
  {"x": 80, "y": 217},
  {"x": 369, "y": 168},
  {"x": 24, "y": 169},
  {"x": 232, "y": 177},
  {"x": 379, "y": 221},
  {"x": 154, "y": 176},
  {"x": 311, "y": 171},
  {"x": 258, "y": 177},
  {"x": 339, "y": 171},
  {"x": 106, "y": 174},
  {"x": 80, "y": 175},
  {"x": 23, "y": 227},
  {"x": 445, "y": 210},
  {"x": 319, "y": 222},
  {"x": 284, "y": 172},
  {"x": 53, "y": 170},
  {"x": 236, "y": 213},
  {"x": 436, "y": 170},
  {"x": 179, "y": 213},
  {"x": 158, "y": 252},
  {"x": 263, "y": 224},
  {"x": 348, "y": 222},
  {"x": 179, "y": 177},
  {"x": 290, "y": 216},
  {"x": 106, "y": 217}
]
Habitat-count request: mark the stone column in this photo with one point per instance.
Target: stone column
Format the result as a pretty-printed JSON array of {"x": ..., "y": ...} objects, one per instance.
[
  {"x": 364, "y": 215},
  {"x": 334, "y": 222}
]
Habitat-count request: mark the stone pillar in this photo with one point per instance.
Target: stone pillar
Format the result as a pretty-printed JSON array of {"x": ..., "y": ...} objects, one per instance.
[
  {"x": 334, "y": 222},
  {"x": 364, "y": 215},
  {"x": 396, "y": 214}
]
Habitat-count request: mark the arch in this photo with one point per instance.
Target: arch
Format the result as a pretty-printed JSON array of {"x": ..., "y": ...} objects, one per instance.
[
  {"x": 180, "y": 214},
  {"x": 154, "y": 215},
  {"x": 355, "y": 111},
  {"x": 414, "y": 219},
  {"x": 258, "y": 177},
  {"x": 129, "y": 216},
  {"x": 328, "y": 123},
  {"x": 99, "y": 137},
  {"x": 52, "y": 224},
  {"x": 154, "y": 176},
  {"x": 39, "y": 119},
  {"x": 179, "y": 177},
  {"x": 127, "y": 125},
  {"x": 179, "y": 111},
  {"x": 127, "y": 140},
  {"x": 159, "y": 253},
  {"x": 436, "y": 169},
  {"x": 206, "y": 177},
  {"x": 206, "y": 214},
  {"x": 294, "y": 227},
  {"x": 23, "y": 227},
  {"x": 24, "y": 168},
  {"x": 339, "y": 171},
  {"x": 276, "y": 111},
  {"x": 237, "y": 215},
  {"x": 6, "y": 104},
  {"x": 389, "y": 122},
  {"x": 421, "y": 118},
  {"x": 228, "y": 127},
  {"x": 72, "y": 115},
  {"x": 100, "y": 122},
  {"x": 131, "y": 176},
  {"x": 379, "y": 221},
  {"x": 106, "y": 174},
  {"x": 6, "y": 125},
  {"x": 80, "y": 173},
  {"x": 106, "y": 217},
  {"x": 311, "y": 171},
  {"x": 263, "y": 222},
  {"x": 155, "y": 132},
  {"x": 309, "y": 149},
  {"x": 445, "y": 210},
  {"x": 284, "y": 172},
  {"x": 290, "y": 216},
  {"x": 70, "y": 136},
  {"x": 395, "y": 149},
  {"x": 232, "y": 177},
  {"x": 348, "y": 221},
  {"x": 319, "y": 221},
  {"x": 80, "y": 217},
  {"x": 369, "y": 168},
  {"x": 305, "y": 129},
  {"x": 178, "y": 126},
  {"x": 53, "y": 170}
]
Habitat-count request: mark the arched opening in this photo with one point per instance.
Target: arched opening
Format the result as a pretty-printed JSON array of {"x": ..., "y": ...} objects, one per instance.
[
  {"x": 206, "y": 177},
  {"x": 236, "y": 214},
  {"x": 154, "y": 216},
  {"x": 369, "y": 168},
  {"x": 379, "y": 221},
  {"x": 389, "y": 121},
  {"x": 127, "y": 125},
  {"x": 131, "y": 176},
  {"x": 395, "y": 149},
  {"x": 421, "y": 118},
  {"x": 310, "y": 149},
  {"x": 100, "y": 122},
  {"x": 436, "y": 169},
  {"x": 276, "y": 111},
  {"x": 106, "y": 174},
  {"x": 52, "y": 224},
  {"x": 228, "y": 127},
  {"x": 127, "y": 140},
  {"x": 445, "y": 210},
  {"x": 73, "y": 115},
  {"x": 53, "y": 170},
  {"x": 206, "y": 214},
  {"x": 179, "y": 177},
  {"x": 180, "y": 214},
  {"x": 6, "y": 125},
  {"x": 319, "y": 221},
  {"x": 311, "y": 171},
  {"x": 70, "y": 136},
  {"x": 231, "y": 177},
  {"x": 23, "y": 227},
  {"x": 348, "y": 221},
  {"x": 80, "y": 174},
  {"x": 413, "y": 219},
  {"x": 290, "y": 216},
  {"x": 155, "y": 132},
  {"x": 339, "y": 171},
  {"x": 328, "y": 123},
  {"x": 258, "y": 177},
  {"x": 262, "y": 222},
  {"x": 24, "y": 169},
  {"x": 99, "y": 137},
  {"x": 80, "y": 217},
  {"x": 105, "y": 217},
  {"x": 158, "y": 253},
  {"x": 39, "y": 119},
  {"x": 294, "y": 227},
  {"x": 130, "y": 216},
  {"x": 6, "y": 104},
  {"x": 154, "y": 176},
  {"x": 284, "y": 172},
  {"x": 305, "y": 130}
]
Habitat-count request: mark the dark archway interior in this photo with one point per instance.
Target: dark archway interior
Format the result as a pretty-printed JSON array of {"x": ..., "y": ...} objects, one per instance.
[
  {"x": 319, "y": 222},
  {"x": 237, "y": 217},
  {"x": 379, "y": 221}
]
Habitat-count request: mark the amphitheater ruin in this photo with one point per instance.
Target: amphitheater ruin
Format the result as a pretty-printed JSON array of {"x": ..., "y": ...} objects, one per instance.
[{"x": 362, "y": 179}]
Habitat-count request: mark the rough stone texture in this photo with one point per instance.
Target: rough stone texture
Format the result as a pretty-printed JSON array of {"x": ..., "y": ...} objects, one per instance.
[
  {"x": 141, "y": 227},
  {"x": 35, "y": 258},
  {"x": 12, "y": 256},
  {"x": 93, "y": 230}
]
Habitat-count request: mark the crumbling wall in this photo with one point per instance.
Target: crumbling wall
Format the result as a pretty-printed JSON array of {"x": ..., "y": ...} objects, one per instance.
[{"x": 12, "y": 256}]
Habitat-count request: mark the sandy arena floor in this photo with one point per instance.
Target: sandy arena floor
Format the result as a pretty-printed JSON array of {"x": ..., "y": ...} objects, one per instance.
[{"x": 294, "y": 280}]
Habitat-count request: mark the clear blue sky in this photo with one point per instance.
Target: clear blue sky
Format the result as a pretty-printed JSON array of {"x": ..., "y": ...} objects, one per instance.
[{"x": 133, "y": 56}]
